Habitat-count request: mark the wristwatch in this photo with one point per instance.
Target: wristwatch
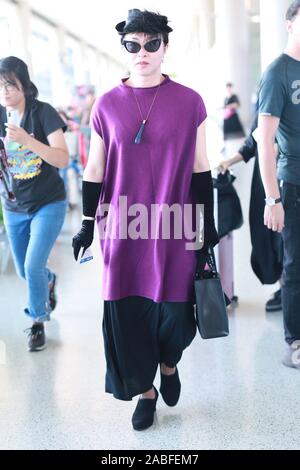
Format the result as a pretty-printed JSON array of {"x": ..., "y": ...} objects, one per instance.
[{"x": 271, "y": 201}]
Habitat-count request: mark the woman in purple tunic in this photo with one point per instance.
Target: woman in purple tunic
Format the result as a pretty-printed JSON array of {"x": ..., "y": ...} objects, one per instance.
[{"x": 147, "y": 150}]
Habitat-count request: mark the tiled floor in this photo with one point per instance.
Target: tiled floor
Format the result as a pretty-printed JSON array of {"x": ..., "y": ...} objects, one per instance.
[{"x": 235, "y": 392}]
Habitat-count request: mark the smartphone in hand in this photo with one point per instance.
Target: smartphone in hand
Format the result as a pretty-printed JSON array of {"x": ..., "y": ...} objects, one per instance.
[{"x": 13, "y": 117}]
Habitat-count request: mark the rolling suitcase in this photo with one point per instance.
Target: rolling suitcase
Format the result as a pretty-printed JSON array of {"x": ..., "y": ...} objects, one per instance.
[{"x": 225, "y": 256}]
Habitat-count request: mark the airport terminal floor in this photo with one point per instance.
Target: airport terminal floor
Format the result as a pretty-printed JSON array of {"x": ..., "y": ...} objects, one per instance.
[{"x": 235, "y": 392}]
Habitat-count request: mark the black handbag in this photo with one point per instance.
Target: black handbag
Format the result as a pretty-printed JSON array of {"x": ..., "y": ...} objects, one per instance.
[
  {"x": 230, "y": 215},
  {"x": 211, "y": 313}
]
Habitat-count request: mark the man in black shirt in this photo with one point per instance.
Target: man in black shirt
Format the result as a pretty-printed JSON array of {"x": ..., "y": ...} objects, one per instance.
[{"x": 279, "y": 109}]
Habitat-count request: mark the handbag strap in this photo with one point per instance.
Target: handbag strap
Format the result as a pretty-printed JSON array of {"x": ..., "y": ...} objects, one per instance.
[
  {"x": 206, "y": 259},
  {"x": 201, "y": 263},
  {"x": 211, "y": 260}
]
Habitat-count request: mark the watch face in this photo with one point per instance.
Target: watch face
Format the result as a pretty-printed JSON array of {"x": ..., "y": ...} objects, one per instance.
[{"x": 270, "y": 201}]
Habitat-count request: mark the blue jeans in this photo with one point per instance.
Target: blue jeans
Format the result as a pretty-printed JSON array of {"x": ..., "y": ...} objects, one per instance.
[{"x": 31, "y": 238}]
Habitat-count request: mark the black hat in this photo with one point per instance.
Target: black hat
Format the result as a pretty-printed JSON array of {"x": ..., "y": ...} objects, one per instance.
[{"x": 144, "y": 22}]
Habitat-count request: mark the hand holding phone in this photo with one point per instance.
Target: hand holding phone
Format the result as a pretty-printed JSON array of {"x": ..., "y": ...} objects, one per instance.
[{"x": 13, "y": 117}]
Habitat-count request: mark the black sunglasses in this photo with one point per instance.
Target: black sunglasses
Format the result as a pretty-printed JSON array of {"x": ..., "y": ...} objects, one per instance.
[{"x": 150, "y": 46}]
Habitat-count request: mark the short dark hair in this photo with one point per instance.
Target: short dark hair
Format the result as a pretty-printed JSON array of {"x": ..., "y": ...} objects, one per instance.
[
  {"x": 147, "y": 22},
  {"x": 293, "y": 10},
  {"x": 229, "y": 84},
  {"x": 12, "y": 69}
]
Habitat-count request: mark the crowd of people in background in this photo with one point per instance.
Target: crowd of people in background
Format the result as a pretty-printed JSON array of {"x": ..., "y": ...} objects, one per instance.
[{"x": 77, "y": 118}]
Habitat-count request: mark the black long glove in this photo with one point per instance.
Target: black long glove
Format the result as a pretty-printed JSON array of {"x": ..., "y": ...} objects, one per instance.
[
  {"x": 90, "y": 200},
  {"x": 203, "y": 193}
]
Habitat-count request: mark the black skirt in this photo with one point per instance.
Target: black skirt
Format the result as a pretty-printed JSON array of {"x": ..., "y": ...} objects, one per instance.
[
  {"x": 139, "y": 334},
  {"x": 233, "y": 128}
]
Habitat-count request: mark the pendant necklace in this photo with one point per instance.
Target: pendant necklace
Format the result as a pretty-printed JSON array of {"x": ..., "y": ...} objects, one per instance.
[{"x": 137, "y": 140}]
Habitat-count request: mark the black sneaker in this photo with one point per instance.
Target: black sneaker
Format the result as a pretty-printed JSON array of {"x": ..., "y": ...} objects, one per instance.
[
  {"x": 36, "y": 337},
  {"x": 52, "y": 294},
  {"x": 274, "y": 304}
]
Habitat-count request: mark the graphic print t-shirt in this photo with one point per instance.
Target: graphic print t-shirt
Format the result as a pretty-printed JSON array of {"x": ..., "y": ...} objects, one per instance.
[
  {"x": 36, "y": 183},
  {"x": 23, "y": 163}
]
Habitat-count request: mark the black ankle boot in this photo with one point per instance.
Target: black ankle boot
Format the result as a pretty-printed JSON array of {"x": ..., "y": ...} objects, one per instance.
[
  {"x": 170, "y": 388},
  {"x": 143, "y": 415}
]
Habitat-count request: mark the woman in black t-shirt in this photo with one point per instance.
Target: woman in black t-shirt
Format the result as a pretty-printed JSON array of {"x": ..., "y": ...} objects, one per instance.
[{"x": 32, "y": 133}]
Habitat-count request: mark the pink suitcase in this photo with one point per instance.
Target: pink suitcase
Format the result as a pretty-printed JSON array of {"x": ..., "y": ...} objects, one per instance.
[
  {"x": 226, "y": 270},
  {"x": 224, "y": 256}
]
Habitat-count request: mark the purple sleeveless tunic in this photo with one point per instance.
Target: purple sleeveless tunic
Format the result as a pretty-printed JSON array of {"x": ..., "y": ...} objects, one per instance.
[{"x": 156, "y": 171}]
